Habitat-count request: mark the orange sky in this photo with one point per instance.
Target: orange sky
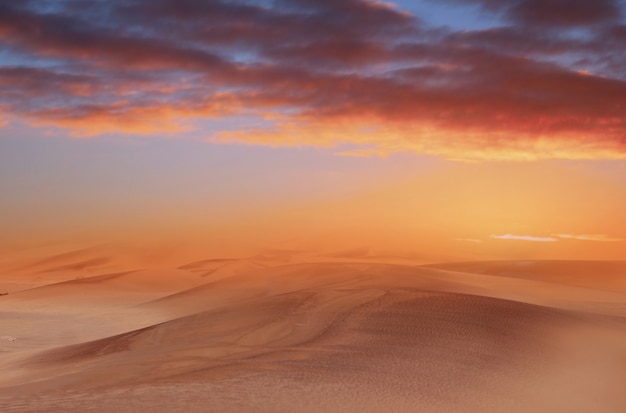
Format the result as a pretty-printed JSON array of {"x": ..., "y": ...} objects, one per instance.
[
  {"x": 465, "y": 129},
  {"x": 405, "y": 206}
]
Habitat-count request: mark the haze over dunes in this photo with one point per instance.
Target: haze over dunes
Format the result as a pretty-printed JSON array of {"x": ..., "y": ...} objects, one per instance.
[{"x": 256, "y": 335}]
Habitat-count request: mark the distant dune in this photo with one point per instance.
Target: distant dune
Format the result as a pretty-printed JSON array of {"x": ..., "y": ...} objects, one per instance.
[
  {"x": 603, "y": 275},
  {"x": 256, "y": 336}
]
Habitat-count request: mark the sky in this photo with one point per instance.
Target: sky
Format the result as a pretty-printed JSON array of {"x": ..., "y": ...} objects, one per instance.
[{"x": 446, "y": 130}]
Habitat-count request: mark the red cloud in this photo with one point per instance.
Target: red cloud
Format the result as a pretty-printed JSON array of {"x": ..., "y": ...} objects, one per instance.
[{"x": 326, "y": 72}]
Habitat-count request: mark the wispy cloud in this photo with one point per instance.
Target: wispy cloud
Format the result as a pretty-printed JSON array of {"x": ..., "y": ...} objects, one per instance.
[
  {"x": 524, "y": 238},
  {"x": 558, "y": 237},
  {"x": 589, "y": 237}
]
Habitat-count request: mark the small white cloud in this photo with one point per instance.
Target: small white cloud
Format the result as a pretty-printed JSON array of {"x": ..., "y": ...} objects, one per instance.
[
  {"x": 524, "y": 238},
  {"x": 588, "y": 237}
]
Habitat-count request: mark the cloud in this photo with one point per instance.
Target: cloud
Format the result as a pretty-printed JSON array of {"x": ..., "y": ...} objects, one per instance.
[
  {"x": 324, "y": 73},
  {"x": 552, "y": 13},
  {"x": 91, "y": 120},
  {"x": 557, "y": 237},
  {"x": 565, "y": 12},
  {"x": 524, "y": 238},
  {"x": 582, "y": 237}
]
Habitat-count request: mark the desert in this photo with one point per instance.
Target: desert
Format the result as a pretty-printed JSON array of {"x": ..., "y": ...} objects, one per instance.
[{"x": 256, "y": 335}]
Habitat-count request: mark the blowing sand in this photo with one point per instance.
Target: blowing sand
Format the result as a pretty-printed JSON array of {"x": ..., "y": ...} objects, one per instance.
[{"x": 256, "y": 336}]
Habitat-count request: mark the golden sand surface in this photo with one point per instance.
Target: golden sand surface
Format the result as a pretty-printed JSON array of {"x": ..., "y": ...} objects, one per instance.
[{"x": 256, "y": 335}]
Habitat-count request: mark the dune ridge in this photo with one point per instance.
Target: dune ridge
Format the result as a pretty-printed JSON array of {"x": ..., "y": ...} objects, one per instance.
[
  {"x": 603, "y": 275},
  {"x": 318, "y": 337}
]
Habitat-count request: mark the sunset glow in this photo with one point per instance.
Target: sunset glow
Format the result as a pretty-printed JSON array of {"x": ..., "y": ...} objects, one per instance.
[{"x": 414, "y": 129}]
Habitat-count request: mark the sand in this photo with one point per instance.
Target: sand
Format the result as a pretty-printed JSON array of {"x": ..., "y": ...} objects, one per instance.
[{"x": 259, "y": 335}]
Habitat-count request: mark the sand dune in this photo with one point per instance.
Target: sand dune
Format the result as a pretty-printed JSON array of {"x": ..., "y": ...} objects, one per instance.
[
  {"x": 115, "y": 289},
  {"x": 331, "y": 337},
  {"x": 24, "y": 272},
  {"x": 602, "y": 275},
  {"x": 260, "y": 282},
  {"x": 85, "y": 308},
  {"x": 76, "y": 262},
  {"x": 216, "y": 269}
]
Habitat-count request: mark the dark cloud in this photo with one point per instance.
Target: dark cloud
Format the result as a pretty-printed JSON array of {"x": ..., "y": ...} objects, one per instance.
[
  {"x": 333, "y": 68},
  {"x": 565, "y": 12},
  {"x": 553, "y": 13}
]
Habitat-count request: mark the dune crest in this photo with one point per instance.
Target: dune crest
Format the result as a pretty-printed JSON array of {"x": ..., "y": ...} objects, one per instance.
[{"x": 318, "y": 337}]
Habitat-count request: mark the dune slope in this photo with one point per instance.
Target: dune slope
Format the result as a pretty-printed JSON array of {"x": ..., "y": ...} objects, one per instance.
[
  {"x": 603, "y": 275},
  {"x": 340, "y": 337}
]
